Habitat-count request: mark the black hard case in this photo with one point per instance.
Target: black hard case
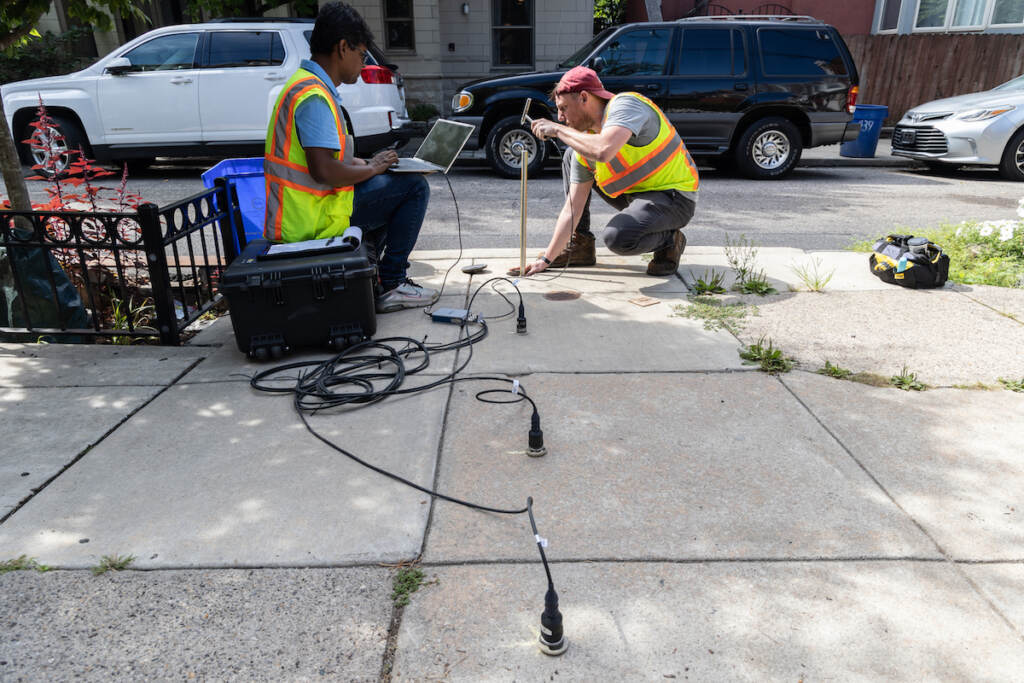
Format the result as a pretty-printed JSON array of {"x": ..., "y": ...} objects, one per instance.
[{"x": 308, "y": 300}]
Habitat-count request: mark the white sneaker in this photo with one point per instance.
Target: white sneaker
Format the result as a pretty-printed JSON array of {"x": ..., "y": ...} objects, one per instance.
[{"x": 406, "y": 295}]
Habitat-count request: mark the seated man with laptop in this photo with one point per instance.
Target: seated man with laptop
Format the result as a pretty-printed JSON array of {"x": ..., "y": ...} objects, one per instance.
[{"x": 316, "y": 187}]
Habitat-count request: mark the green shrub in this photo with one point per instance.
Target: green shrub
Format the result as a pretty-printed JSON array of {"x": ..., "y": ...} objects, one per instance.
[
  {"x": 47, "y": 55},
  {"x": 421, "y": 111}
]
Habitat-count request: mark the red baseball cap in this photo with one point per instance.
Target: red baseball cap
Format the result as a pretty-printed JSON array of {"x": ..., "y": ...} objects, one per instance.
[{"x": 580, "y": 78}]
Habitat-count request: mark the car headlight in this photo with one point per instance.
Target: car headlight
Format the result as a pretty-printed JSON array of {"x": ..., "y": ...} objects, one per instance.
[
  {"x": 462, "y": 101},
  {"x": 983, "y": 114}
]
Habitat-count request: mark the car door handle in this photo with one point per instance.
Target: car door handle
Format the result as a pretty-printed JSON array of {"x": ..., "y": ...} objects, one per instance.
[
  {"x": 740, "y": 86},
  {"x": 649, "y": 87},
  {"x": 273, "y": 77},
  {"x": 178, "y": 80}
]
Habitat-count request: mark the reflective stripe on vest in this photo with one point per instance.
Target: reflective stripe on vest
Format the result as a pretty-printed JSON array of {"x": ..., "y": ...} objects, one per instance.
[
  {"x": 662, "y": 164},
  {"x": 298, "y": 207}
]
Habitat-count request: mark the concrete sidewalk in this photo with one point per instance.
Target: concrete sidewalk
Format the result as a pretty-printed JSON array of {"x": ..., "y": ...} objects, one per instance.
[{"x": 706, "y": 521}]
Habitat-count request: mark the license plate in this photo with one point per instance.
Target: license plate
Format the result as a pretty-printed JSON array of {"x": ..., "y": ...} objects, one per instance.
[{"x": 907, "y": 137}]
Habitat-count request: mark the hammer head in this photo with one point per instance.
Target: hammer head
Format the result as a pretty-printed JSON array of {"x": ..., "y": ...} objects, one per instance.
[{"x": 524, "y": 119}]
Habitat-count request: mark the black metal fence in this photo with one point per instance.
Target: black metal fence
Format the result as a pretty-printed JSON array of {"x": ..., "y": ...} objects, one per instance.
[{"x": 73, "y": 276}]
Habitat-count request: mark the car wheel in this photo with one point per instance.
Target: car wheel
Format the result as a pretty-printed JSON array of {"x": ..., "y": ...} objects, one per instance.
[
  {"x": 769, "y": 149},
  {"x": 503, "y": 148},
  {"x": 1012, "y": 167},
  {"x": 52, "y": 147}
]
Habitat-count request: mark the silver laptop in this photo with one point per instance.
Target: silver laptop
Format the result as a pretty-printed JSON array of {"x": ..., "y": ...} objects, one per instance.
[{"x": 439, "y": 149}]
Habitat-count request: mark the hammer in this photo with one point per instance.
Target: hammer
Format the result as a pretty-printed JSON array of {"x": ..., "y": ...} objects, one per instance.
[{"x": 524, "y": 119}]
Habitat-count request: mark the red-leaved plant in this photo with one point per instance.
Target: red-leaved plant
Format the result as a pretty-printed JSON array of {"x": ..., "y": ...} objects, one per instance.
[{"x": 71, "y": 175}]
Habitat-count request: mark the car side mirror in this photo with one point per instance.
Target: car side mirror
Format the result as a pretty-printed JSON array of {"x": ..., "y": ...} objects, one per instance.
[
  {"x": 118, "y": 66},
  {"x": 598, "y": 65}
]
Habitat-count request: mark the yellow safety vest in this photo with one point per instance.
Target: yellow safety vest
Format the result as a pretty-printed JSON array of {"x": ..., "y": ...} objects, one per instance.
[
  {"x": 662, "y": 164},
  {"x": 298, "y": 207}
]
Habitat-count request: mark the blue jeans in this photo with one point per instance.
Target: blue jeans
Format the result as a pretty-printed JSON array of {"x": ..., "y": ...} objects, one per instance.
[{"x": 397, "y": 203}]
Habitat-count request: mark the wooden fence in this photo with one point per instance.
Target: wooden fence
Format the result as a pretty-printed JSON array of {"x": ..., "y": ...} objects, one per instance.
[{"x": 903, "y": 71}]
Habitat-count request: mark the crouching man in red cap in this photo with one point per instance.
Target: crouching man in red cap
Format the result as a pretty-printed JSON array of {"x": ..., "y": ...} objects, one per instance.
[{"x": 625, "y": 146}]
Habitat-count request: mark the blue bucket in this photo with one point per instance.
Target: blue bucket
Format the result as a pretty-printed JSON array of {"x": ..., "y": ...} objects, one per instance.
[
  {"x": 870, "y": 118},
  {"x": 247, "y": 177}
]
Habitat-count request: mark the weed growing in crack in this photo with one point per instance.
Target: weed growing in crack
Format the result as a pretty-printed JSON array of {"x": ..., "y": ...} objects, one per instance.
[
  {"x": 907, "y": 381},
  {"x": 114, "y": 563},
  {"x": 834, "y": 371},
  {"x": 771, "y": 359}
]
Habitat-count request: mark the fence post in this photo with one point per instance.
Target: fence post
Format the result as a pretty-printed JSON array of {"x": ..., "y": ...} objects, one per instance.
[
  {"x": 232, "y": 231},
  {"x": 159, "y": 280}
]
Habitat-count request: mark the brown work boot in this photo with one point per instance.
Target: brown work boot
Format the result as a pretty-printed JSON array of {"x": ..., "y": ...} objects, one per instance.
[
  {"x": 666, "y": 261},
  {"x": 579, "y": 252}
]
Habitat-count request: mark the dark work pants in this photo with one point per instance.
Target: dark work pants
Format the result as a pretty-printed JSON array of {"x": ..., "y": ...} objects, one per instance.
[
  {"x": 391, "y": 206},
  {"x": 645, "y": 221}
]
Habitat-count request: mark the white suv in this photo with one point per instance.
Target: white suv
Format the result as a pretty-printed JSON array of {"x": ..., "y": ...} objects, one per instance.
[{"x": 195, "y": 90}]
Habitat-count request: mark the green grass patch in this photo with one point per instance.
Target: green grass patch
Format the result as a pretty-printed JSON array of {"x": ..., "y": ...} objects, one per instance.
[
  {"x": 907, "y": 381},
  {"x": 1016, "y": 385},
  {"x": 407, "y": 581},
  {"x": 770, "y": 359},
  {"x": 709, "y": 283},
  {"x": 716, "y": 315},
  {"x": 980, "y": 253},
  {"x": 22, "y": 563},
  {"x": 834, "y": 371},
  {"x": 112, "y": 563}
]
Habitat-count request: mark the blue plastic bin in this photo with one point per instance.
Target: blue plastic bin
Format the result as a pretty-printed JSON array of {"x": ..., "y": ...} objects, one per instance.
[
  {"x": 870, "y": 117},
  {"x": 247, "y": 177}
]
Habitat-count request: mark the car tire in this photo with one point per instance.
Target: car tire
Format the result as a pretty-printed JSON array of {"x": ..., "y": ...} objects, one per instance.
[
  {"x": 501, "y": 153},
  {"x": 67, "y": 136},
  {"x": 1012, "y": 166},
  {"x": 768, "y": 149}
]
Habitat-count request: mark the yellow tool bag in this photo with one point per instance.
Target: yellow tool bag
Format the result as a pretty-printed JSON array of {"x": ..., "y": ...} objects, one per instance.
[{"x": 909, "y": 261}]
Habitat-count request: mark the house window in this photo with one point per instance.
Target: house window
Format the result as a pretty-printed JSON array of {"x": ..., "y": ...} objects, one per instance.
[
  {"x": 512, "y": 32},
  {"x": 955, "y": 15},
  {"x": 1008, "y": 12},
  {"x": 931, "y": 14},
  {"x": 890, "y": 18},
  {"x": 398, "y": 27}
]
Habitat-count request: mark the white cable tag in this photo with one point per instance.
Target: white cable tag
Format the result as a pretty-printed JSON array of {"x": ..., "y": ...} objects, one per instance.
[
  {"x": 515, "y": 387},
  {"x": 542, "y": 541}
]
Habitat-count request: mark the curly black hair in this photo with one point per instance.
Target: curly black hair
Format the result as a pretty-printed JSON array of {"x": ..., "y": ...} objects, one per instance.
[{"x": 337, "y": 21}]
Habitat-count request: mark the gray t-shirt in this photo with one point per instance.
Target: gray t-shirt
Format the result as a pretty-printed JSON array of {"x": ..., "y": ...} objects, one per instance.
[{"x": 636, "y": 116}]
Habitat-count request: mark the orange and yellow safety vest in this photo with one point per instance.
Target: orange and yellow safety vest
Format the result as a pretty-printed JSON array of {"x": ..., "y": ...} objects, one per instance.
[
  {"x": 298, "y": 207},
  {"x": 662, "y": 164}
]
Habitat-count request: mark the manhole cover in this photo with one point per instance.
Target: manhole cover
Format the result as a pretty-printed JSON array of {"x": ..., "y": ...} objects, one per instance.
[{"x": 562, "y": 296}]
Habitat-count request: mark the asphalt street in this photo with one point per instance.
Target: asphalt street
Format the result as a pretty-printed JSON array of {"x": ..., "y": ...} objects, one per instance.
[{"x": 817, "y": 207}]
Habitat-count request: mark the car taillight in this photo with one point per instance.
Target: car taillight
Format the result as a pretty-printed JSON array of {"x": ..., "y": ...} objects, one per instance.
[
  {"x": 376, "y": 74},
  {"x": 851, "y": 99}
]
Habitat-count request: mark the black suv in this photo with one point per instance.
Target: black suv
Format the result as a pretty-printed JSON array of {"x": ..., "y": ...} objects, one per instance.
[{"x": 749, "y": 90}]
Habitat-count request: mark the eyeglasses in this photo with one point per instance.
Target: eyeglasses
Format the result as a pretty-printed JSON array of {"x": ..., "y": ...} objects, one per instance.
[{"x": 364, "y": 55}]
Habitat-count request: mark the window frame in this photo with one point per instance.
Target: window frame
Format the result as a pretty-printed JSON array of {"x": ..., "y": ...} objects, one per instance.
[
  {"x": 495, "y": 27},
  {"x": 881, "y": 15},
  {"x": 207, "y": 47},
  {"x": 831, "y": 37},
  {"x": 991, "y": 14},
  {"x": 385, "y": 20},
  {"x": 733, "y": 45},
  {"x": 948, "y": 26},
  {"x": 196, "y": 54}
]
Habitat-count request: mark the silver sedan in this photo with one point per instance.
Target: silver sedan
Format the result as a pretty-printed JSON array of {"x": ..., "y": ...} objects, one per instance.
[{"x": 983, "y": 129}]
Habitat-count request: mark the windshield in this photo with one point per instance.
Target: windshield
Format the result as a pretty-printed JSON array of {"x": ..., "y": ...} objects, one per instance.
[
  {"x": 582, "y": 53},
  {"x": 1015, "y": 84}
]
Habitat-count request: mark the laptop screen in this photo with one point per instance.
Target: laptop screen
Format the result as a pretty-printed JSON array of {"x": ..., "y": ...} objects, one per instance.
[{"x": 444, "y": 142}]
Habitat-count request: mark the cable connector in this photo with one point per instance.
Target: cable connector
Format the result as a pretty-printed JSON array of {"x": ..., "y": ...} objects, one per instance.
[
  {"x": 521, "y": 320},
  {"x": 536, "y": 449},
  {"x": 552, "y": 640}
]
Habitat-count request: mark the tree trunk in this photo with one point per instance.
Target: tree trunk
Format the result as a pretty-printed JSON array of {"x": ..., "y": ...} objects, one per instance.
[
  {"x": 653, "y": 10},
  {"x": 10, "y": 165}
]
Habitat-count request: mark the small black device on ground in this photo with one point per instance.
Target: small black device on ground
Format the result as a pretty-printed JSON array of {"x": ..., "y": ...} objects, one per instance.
[
  {"x": 474, "y": 268},
  {"x": 310, "y": 299}
]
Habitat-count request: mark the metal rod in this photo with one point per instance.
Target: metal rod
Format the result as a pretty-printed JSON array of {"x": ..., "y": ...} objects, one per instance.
[{"x": 522, "y": 214}]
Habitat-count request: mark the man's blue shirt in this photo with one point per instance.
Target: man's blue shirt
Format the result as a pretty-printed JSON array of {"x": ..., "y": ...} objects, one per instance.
[{"x": 315, "y": 122}]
